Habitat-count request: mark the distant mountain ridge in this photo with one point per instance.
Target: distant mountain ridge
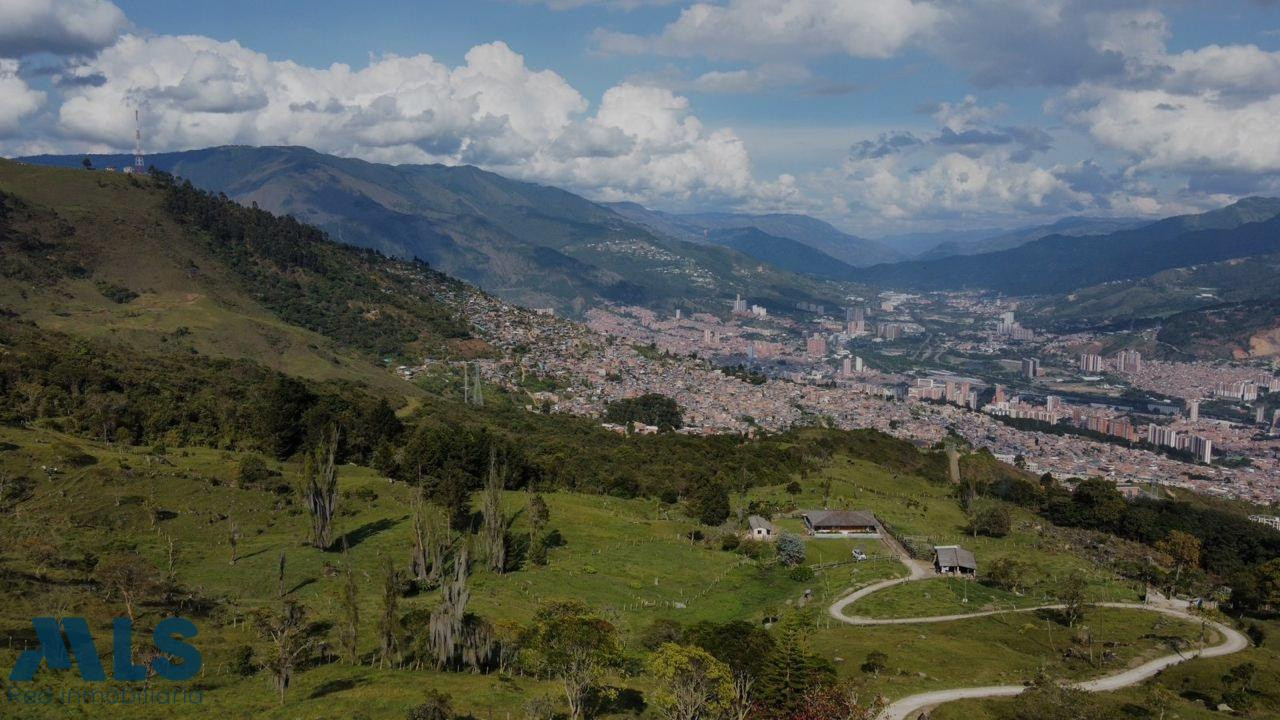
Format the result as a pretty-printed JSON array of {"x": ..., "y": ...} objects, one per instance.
[
  {"x": 1057, "y": 263},
  {"x": 816, "y": 234},
  {"x": 532, "y": 244}
]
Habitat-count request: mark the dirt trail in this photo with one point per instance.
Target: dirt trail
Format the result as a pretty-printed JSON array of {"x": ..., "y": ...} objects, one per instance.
[{"x": 909, "y": 706}]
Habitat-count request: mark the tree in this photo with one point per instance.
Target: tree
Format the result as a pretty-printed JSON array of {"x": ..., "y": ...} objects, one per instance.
[
  {"x": 709, "y": 503},
  {"x": 438, "y": 706},
  {"x": 128, "y": 576},
  {"x": 790, "y": 549},
  {"x": 430, "y": 533},
  {"x": 992, "y": 521},
  {"x": 1183, "y": 550},
  {"x": 389, "y": 631},
  {"x": 837, "y": 702},
  {"x": 1047, "y": 700},
  {"x": 286, "y": 632},
  {"x": 571, "y": 643},
  {"x": 792, "y": 672},
  {"x": 743, "y": 646},
  {"x": 1159, "y": 699},
  {"x": 87, "y": 163},
  {"x": 320, "y": 490},
  {"x": 253, "y": 472},
  {"x": 650, "y": 409},
  {"x": 539, "y": 516},
  {"x": 495, "y": 522},
  {"x": 1007, "y": 573},
  {"x": 1071, "y": 594},
  {"x": 349, "y": 631},
  {"x": 692, "y": 684},
  {"x": 876, "y": 663}
]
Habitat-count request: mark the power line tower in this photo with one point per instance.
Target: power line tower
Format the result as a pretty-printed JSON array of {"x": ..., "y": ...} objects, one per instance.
[{"x": 137, "y": 143}]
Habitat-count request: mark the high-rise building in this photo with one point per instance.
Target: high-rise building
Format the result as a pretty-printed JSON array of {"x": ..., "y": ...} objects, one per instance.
[
  {"x": 857, "y": 364},
  {"x": 1090, "y": 363},
  {"x": 816, "y": 346},
  {"x": 1193, "y": 410},
  {"x": 998, "y": 398},
  {"x": 1052, "y": 403},
  {"x": 846, "y": 367},
  {"x": 1030, "y": 367},
  {"x": 890, "y": 331},
  {"x": 1202, "y": 449},
  {"x": 739, "y": 306},
  {"x": 1128, "y": 361}
]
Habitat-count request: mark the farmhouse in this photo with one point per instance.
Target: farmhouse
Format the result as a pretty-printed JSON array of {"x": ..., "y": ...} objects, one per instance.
[
  {"x": 841, "y": 522},
  {"x": 759, "y": 528},
  {"x": 954, "y": 560}
]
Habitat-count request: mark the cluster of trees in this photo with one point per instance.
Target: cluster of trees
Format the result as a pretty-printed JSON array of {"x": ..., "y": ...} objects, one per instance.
[
  {"x": 650, "y": 409},
  {"x": 740, "y": 670},
  {"x": 1192, "y": 538},
  {"x": 354, "y": 296},
  {"x": 100, "y": 391}
]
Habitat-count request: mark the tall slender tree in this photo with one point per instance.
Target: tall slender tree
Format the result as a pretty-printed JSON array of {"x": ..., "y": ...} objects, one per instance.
[
  {"x": 320, "y": 489},
  {"x": 430, "y": 540},
  {"x": 495, "y": 522},
  {"x": 349, "y": 631},
  {"x": 389, "y": 623}
]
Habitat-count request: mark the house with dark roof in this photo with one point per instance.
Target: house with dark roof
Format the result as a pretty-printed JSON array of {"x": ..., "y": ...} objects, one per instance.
[
  {"x": 841, "y": 523},
  {"x": 954, "y": 560}
]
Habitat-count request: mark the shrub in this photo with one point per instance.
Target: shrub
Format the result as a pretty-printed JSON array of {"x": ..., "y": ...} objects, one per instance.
[
  {"x": 801, "y": 573},
  {"x": 790, "y": 549},
  {"x": 730, "y": 542},
  {"x": 242, "y": 661}
]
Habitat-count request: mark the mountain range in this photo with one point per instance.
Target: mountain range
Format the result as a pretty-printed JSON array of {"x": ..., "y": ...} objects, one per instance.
[
  {"x": 532, "y": 244},
  {"x": 1059, "y": 263}
]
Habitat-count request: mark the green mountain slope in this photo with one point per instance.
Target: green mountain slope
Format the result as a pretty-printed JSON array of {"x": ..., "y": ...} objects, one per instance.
[
  {"x": 780, "y": 252},
  {"x": 531, "y": 244},
  {"x": 1165, "y": 293},
  {"x": 162, "y": 268},
  {"x": 1055, "y": 264}
]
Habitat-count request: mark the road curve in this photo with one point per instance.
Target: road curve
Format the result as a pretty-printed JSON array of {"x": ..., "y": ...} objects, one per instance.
[{"x": 905, "y": 707}]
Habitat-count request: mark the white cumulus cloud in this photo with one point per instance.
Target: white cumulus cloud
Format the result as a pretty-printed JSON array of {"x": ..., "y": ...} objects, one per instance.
[
  {"x": 783, "y": 29},
  {"x": 62, "y": 27},
  {"x": 20, "y": 101}
]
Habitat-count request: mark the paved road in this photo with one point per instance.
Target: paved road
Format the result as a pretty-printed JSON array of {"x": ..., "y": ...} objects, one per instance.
[{"x": 908, "y": 706}]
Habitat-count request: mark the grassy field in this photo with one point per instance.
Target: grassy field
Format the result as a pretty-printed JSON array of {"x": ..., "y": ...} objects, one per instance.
[
  {"x": 1197, "y": 688},
  {"x": 633, "y": 560}
]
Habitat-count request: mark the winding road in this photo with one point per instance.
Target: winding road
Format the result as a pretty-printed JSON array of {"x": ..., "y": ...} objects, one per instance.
[{"x": 908, "y": 706}]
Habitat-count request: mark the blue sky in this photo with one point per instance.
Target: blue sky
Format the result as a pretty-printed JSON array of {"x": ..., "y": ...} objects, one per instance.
[{"x": 882, "y": 116}]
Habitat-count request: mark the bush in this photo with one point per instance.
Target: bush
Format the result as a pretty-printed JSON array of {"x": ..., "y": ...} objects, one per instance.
[
  {"x": 993, "y": 521},
  {"x": 242, "y": 661},
  {"x": 801, "y": 573},
  {"x": 253, "y": 472},
  {"x": 793, "y": 487},
  {"x": 790, "y": 549},
  {"x": 730, "y": 542},
  {"x": 661, "y": 630},
  {"x": 439, "y": 706}
]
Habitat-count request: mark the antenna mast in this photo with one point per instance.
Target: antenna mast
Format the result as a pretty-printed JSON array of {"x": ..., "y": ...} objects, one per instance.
[{"x": 137, "y": 142}]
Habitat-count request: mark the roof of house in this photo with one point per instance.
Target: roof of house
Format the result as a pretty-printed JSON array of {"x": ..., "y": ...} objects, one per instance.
[
  {"x": 756, "y": 522},
  {"x": 955, "y": 556},
  {"x": 840, "y": 518}
]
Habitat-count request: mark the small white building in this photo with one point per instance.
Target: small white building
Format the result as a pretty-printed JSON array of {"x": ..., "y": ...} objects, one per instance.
[{"x": 760, "y": 528}]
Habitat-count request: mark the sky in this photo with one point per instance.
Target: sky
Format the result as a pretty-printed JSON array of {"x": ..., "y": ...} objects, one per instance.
[{"x": 880, "y": 116}]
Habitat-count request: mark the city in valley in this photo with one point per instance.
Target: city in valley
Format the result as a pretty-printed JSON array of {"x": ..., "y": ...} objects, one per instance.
[
  {"x": 640, "y": 360},
  {"x": 919, "y": 367}
]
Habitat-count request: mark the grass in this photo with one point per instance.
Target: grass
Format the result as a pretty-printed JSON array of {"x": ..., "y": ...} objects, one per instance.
[
  {"x": 1197, "y": 688},
  {"x": 630, "y": 559},
  {"x": 186, "y": 301}
]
